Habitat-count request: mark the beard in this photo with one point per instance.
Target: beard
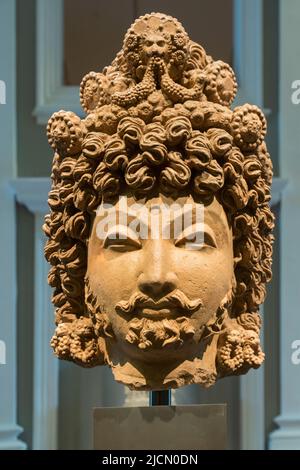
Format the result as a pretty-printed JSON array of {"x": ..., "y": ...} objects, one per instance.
[
  {"x": 147, "y": 333},
  {"x": 158, "y": 334}
]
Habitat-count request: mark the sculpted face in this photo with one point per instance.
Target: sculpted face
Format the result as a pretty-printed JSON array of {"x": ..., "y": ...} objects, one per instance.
[
  {"x": 61, "y": 133},
  {"x": 159, "y": 288},
  {"x": 154, "y": 44},
  {"x": 165, "y": 286},
  {"x": 91, "y": 93}
]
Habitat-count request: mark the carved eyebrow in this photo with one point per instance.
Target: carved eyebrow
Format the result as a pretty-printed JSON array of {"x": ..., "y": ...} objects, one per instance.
[
  {"x": 144, "y": 216},
  {"x": 120, "y": 236},
  {"x": 211, "y": 220},
  {"x": 173, "y": 216},
  {"x": 207, "y": 232},
  {"x": 124, "y": 232},
  {"x": 125, "y": 228},
  {"x": 221, "y": 223}
]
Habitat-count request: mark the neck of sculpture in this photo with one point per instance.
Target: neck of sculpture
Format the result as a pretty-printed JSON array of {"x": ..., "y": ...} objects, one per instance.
[{"x": 198, "y": 368}]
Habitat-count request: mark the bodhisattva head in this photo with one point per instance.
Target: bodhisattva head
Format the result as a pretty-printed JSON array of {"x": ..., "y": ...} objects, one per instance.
[{"x": 159, "y": 234}]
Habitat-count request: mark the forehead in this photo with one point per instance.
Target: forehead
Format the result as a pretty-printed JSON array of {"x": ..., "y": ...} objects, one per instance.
[
  {"x": 212, "y": 214},
  {"x": 154, "y": 35}
]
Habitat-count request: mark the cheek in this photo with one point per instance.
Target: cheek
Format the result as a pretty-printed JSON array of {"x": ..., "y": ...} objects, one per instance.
[
  {"x": 206, "y": 274},
  {"x": 114, "y": 279}
]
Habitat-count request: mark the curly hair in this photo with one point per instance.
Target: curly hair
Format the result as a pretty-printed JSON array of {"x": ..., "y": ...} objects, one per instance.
[{"x": 172, "y": 139}]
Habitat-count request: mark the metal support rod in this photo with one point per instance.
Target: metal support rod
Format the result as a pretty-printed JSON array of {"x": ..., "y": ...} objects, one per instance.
[{"x": 160, "y": 397}]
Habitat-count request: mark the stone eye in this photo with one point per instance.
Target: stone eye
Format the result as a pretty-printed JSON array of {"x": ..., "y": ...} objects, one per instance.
[{"x": 196, "y": 237}]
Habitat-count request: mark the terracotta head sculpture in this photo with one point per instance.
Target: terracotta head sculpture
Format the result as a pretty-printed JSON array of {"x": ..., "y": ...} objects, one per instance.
[{"x": 163, "y": 303}]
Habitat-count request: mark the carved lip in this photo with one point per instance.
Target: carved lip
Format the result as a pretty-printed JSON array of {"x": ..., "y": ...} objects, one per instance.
[{"x": 157, "y": 311}]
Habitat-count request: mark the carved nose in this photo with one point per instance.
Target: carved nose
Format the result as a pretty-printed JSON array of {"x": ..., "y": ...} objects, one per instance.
[
  {"x": 157, "y": 277},
  {"x": 155, "y": 50},
  {"x": 157, "y": 287}
]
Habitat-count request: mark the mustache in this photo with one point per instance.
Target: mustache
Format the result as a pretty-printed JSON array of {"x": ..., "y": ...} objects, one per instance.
[{"x": 175, "y": 299}]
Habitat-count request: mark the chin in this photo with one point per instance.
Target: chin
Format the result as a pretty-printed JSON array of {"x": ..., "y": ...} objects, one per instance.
[
  {"x": 155, "y": 353},
  {"x": 161, "y": 368}
]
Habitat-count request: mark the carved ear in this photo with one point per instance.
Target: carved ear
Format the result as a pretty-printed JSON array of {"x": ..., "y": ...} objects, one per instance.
[
  {"x": 239, "y": 346},
  {"x": 76, "y": 341}
]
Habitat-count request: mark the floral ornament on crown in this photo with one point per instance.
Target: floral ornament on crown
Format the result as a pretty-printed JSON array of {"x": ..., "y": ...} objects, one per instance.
[
  {"x": 249, "y": 127},
  {"x": 65, "y": 132},
  {"x": 93, "y": 92}
]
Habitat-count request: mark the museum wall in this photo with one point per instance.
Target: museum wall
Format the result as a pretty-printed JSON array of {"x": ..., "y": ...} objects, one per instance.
[
  {"x": 271, "y": 81},
  {"x": 25, "y": 316},
  {"x": 34, "y": 154},
  {"x": 80, "y": 389},
  {"x": 33, "y": 159},
  {"x": 271, "y": 306}
]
